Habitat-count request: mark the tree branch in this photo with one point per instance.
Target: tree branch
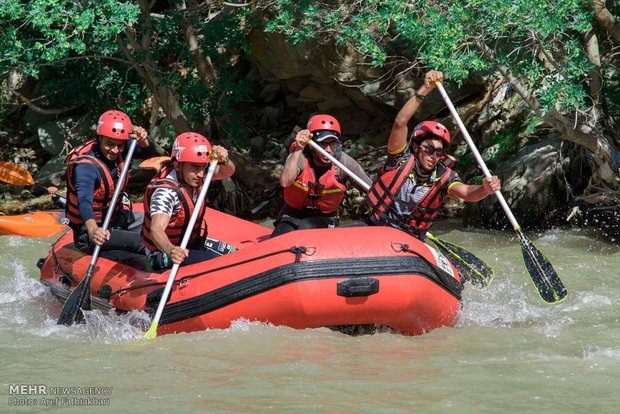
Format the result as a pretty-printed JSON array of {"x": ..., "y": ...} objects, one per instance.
[
  {"x": 36, "y": 108},
  {"x": 554, "y": 118}
]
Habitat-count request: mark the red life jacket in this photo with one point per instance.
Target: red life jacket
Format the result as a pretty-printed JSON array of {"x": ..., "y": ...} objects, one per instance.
[
  {"x": 315, "y": 198},
  {"x": 386, "y": 188},
  {"x": 178, "y": 223},
  {"x": 103, "y": 193}
]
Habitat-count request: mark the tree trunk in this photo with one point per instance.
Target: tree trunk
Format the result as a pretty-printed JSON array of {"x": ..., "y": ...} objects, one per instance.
[
  {"x": 147, "y": 68},
  {"x": 603, "y": 167},
  {"x": 606, "y": 20}
]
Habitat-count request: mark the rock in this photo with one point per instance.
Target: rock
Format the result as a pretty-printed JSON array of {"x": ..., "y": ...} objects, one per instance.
[
  {"x": 53, "y": 172},
  {"x": 534, "y": 186},
  {"x": 55, "y": 135},
  {"x": 257, "y": 146}
]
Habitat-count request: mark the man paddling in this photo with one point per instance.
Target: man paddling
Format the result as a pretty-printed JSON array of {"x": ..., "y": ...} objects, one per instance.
[
  {"x": 313, "y": 187},
  {"x": 92, "y": 175},
  {"x": 412, "y": 184},
  {"x": 170, "y": 199}
]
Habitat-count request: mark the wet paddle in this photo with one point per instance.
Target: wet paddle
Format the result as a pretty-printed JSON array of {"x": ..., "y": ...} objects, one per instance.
[
  {"x": 473, "y": 269},
  {"x": 152, "y": 332},
  {"x": 546, "y": 280},
  {"x": 71, "y": 310},
  {"x": 14, "y": 174}
]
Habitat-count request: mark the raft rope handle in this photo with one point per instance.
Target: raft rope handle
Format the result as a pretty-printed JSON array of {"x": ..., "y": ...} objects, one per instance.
[
  {"x": 293, "y": 249},
  {"x": 404, "y": 247}
]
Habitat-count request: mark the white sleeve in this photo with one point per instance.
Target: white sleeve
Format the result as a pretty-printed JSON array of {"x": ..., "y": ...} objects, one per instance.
[{"x": 164, "y": 201}]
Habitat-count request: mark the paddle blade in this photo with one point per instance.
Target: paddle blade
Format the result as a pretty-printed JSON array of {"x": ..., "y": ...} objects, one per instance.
[
  {"x": 473, "y": 269},
  {"x": 152, "y": 332},
  {"x": 78, "y": 299},
  {"x": 545, "y": 279},
  {"x": 14, "y": 174}
]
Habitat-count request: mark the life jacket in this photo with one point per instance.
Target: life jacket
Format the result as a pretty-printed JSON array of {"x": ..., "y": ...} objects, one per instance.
[
  {"x": 179, "y": 222},
  {"x": 386, "y": 188},
  {"x": 322, "y": 197},
  {"x": 103, "y": 193}
]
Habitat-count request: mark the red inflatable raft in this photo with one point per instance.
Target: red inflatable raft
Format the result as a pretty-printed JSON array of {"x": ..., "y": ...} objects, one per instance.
[
  {"x": 342, "y": 277},
  {"x": 36, "y": 224}
]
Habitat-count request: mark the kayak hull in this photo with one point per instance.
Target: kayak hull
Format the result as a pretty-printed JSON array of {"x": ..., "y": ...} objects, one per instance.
[{"x": 35, "y": 224}]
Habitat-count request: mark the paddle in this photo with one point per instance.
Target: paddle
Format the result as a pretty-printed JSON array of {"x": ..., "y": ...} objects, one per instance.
[
  {"x": 546, "y": 280},
  {"x": 71, "y": 310},
  {"x": 14, "y": 174},
  {"x": 473, "y": 269},
  {"x": 152, "y": 332}
]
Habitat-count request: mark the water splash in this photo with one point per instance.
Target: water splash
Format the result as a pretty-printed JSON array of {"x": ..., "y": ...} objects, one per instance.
[{"x": 114, "y": 328}]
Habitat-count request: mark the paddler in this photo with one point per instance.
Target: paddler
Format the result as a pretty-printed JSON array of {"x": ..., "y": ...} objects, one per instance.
[
  {"x": 170, "y": 198},
  {"x": 411, "y": 186},
  {"x": 313, "y": 187},
  {"x": 92, "y": 175}
]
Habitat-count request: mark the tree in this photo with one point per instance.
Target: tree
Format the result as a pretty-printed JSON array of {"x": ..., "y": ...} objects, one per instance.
[
  {"x": 560, "y": 57},
  {"x": 111, "y": 53}
]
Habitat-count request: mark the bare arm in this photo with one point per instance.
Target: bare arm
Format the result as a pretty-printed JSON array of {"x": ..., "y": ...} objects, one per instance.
[
  {"x": 159, "y": 223},
  {"x": 227, "y": 167},
  {"x": 290, "y": 171},
  {"x": 398, "y": 135},
  {"x": 473, "y": 193}
]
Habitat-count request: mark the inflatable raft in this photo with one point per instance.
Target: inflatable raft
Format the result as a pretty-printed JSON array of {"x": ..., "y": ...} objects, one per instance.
[
  {"x": 338, "y": 278},
  {"x": 36, "y": 224}
]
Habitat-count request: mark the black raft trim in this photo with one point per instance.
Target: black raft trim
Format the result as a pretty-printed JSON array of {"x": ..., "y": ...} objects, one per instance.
[{"x": 311, "y": 270}]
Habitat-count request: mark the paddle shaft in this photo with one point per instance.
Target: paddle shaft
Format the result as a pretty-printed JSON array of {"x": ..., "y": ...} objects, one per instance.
[
  {"x": 184, "y": 241},
  {"x": 340, "y": 165},
  {"x": 482, "y": 265},
  {"x": 477, "y": 155},
  {"x": 106, "y": 221},
  {"x": 546, "y": 280}
]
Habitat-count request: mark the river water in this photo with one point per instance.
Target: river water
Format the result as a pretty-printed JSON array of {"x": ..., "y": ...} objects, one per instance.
[{"x": 510, "y": 352}]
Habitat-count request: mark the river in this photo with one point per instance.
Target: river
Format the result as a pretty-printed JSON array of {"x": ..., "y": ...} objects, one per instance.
[{"x": 510, "y": 352}]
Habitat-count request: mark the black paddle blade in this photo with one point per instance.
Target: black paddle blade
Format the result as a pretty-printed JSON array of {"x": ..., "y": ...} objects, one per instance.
[
  {"x": 77, "y": 300},
  {"x": 473, "y": 269},
  {"x": 546, "y": 280}
]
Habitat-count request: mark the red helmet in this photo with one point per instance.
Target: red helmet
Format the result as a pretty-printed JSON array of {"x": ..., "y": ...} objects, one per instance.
[
  {"x": 324, "y": 123},
  {"x": 191, "y": 147},
  {"x": 114, "y": 124},
  {"x": 423, "y": 129}
]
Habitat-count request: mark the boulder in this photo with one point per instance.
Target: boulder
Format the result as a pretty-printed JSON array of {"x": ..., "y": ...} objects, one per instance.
[{"x": 534, "y": 186}]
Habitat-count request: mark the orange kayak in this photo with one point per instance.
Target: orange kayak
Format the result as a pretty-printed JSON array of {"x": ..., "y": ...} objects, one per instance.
[
  {"x": 341, "y": 277},
  {"x": 35, "y": 224}
]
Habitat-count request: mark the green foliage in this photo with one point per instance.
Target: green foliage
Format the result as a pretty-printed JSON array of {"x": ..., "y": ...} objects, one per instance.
[
  {"x": 540, "y": 41},
  {"x": 72, "y": 49},
  {"x": 48, "y": 40},
  {"x": 38, "y": 32}
]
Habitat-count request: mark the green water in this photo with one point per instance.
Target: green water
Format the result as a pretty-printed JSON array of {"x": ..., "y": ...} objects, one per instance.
[{"x": 510, "y": 353}]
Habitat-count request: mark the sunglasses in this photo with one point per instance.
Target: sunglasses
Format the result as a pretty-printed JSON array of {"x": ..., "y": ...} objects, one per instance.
[
  {"x": 430, "y": 150},
  {"x": 332, "y": 145}
]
